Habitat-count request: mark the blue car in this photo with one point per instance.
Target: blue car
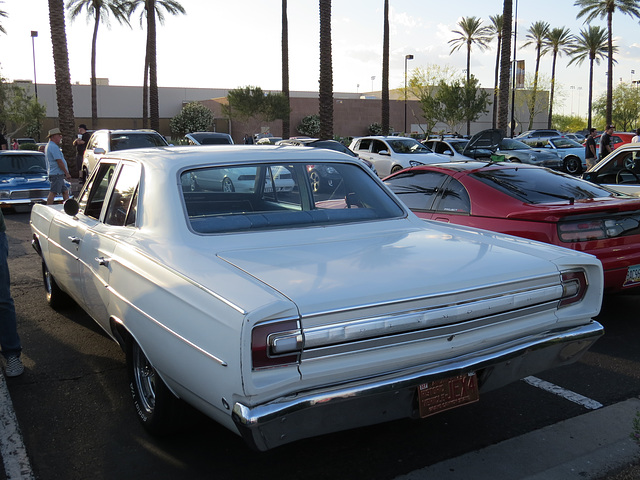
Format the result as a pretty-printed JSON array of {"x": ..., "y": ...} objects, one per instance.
[
  {"x": 571, "y": 153},
  {"x": 23, "y": 179}
]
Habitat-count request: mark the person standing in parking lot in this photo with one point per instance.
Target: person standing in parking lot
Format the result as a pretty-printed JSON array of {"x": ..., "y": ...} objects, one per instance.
[
  {"x": 590, "y": 153},
  {"x": 81, "y": 145},
  {"x": 606, "y": 145},
  {"x": 4, "y": 145},
  {"x": 57, "y": 165},
  {"x": 636, "y": 137}
]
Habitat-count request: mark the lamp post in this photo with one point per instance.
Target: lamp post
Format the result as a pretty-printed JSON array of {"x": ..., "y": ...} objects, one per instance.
[
  {"x": 34, "y": 34},
  {"x": 406, "y": 57},
  {"x": 373, "y": 77}
]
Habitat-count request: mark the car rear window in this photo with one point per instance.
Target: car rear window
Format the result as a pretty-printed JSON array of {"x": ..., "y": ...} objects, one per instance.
[
  {"x": 268, "y": 196},
  {"x": 540, "y": 185},
  {"x": 124, "y": 141}
]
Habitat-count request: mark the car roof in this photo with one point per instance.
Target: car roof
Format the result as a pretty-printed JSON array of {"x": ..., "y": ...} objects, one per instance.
[{"x": 20, "y": 152}]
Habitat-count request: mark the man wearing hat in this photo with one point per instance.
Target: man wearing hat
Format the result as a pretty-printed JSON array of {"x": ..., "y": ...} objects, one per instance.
[
  {"x": 81, "y": 145},
  {"x": 58, "y": 170}
]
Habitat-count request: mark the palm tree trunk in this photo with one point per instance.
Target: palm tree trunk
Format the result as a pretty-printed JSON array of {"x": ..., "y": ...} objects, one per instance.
[
  {"x": 154, "y": 110},
  {"x": 591, "y": 60},
  {"x": 495, "y": 85},
  {"x": 553, "y": 84},
  {"x": 532, "y": 107},
  {"x": 286, "y": 121},
  {"x": 326, "y": 72},
  {"x": 64, "y": 94},
  {"x": 94, "y": 88},
  {"x": 385, "y": 70},
  {"x": 609, "y": 111},
  {"x": 145, "y": 88},
  {"x": 505, "y": 66},
  {"x": 468, "y": 78}
]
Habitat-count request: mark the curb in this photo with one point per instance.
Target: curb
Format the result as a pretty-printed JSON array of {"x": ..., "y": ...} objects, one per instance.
[{"x": 584, "y": 447}]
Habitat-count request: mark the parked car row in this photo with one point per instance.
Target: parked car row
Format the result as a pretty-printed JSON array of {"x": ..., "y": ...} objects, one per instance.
[{"x": 286, "y": 314}]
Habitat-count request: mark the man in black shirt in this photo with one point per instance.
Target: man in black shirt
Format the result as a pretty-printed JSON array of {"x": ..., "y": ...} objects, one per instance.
[
  {"x": 81, "y": 145},
  {"x": 590, "y": 153},
  {"x": 606, "y": 142}
]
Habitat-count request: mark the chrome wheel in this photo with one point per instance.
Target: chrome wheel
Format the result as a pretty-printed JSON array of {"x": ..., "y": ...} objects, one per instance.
[
  {"x": 227, "y": 185},
  {"x": 572, "y": 165},
  {"x": 145, "y": 380},
  {"x": 316, "y": 181}
]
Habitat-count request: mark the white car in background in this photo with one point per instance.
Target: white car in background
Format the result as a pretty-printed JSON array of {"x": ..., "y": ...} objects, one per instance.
[{"x": 391, "y": 154}]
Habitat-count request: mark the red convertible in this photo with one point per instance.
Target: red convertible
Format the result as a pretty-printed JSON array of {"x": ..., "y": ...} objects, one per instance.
[{"x": 531, "y": 202}]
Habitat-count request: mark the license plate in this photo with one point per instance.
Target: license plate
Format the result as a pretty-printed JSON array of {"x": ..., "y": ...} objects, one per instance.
[
  {"x": 633, "y": 276},
  {"x": 441, "y": 395}
]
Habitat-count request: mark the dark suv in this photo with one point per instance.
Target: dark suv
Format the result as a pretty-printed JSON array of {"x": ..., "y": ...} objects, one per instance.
[
  {"x": 537, "y": 138},
  {"x": 105, "y": 141}
]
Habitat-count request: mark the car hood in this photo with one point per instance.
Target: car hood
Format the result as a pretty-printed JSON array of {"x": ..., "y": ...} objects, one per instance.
[
  {"x": 485, "y": 140},
  {"x": 343, "y": 273},
  {"x": 21, "y": 179}
]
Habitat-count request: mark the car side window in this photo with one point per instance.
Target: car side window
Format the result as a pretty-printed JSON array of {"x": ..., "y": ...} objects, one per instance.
[
  {"x": 364, "y": 145},
  {"x": 417, "y": 189},
  {"x": 379, "y": 146},
  {"x": 123, "y": 193},
  {"x": 454, "y": 198},
  {"x": 93, "y": 196}
]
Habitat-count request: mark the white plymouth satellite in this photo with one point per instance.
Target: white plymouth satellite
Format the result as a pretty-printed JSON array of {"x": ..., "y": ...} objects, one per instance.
[{"x": 284, "y": 313}]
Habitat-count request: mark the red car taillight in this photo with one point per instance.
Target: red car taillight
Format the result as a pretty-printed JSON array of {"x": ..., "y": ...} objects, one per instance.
[
  {"x": 276, "y": 344},
  {"x": 574, "y": 287},
  {"x": 581, "y": 231}
]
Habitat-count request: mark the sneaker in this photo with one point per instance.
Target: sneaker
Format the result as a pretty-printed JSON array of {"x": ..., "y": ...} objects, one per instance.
[{"x": 14, "y": 366}]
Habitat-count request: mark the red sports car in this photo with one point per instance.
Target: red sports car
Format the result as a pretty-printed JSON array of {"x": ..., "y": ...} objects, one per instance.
[{"x": 531, "y": 202}]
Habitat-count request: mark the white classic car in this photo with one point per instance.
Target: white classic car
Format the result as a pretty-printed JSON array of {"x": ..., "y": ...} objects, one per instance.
[{"x": 285, "y": 315}]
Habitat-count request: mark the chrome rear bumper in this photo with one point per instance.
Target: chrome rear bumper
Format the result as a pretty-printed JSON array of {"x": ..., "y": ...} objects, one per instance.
[{"x": 390, "y": 397}]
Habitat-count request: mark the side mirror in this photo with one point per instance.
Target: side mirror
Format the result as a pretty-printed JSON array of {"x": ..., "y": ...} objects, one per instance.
[
  {"x": 384, "y": 152},
  {"x": 71, "y": 207},
  {"x": 99, "y": 151},
  {"x": 448, "y": 152}
]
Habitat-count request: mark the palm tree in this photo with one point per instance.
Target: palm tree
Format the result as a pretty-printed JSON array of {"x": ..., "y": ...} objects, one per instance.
[
  {"x": 471, "y": 32},
  {"x": 326, "y": 72},
  {"x": 98, "y": 10},
  {"x": 286, "y": 121},
  {"x": 505, "y": 66},
  {"x": 605, "y": 8},
  {"x": 64, "y": 95},
  {"x": 385, "y": 70},
  {"x": 4, "y": 15},
  {"x": 557, "y": 41},
  {"x": 536, "y": 34},
  {"x": 496, "y": 29},
  {"x": 591, "y": 44},
  {"x": 150, "y": 95}
]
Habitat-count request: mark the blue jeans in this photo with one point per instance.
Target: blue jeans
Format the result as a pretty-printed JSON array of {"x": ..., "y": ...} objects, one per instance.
[{"x": 9, "y": 339}]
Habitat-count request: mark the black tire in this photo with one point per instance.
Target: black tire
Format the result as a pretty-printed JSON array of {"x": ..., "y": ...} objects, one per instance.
[
  {"x": 572, "y": 165},
  {"x": 159, "y": 410},
  {"x": 316, "y": 181},
  {"x": 396, "y": 168},
  {"x": 56, "y": 298},
  {"x": 227, "y": 185}
]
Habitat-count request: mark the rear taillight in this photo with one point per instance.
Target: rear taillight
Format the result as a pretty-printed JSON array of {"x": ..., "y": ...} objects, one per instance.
[
  {"x": 574, "y": 287},
  {"x": 276, "y": 344},
  {"x": 581, "y": 231}
]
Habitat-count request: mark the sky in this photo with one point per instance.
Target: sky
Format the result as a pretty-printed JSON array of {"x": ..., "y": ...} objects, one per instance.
[{"x": 230, "y": 44}]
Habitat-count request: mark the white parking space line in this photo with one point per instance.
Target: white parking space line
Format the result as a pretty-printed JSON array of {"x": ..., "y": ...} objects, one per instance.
[
  {"x": 12, "y": 449},
  {"x": 564, "y": 393}
]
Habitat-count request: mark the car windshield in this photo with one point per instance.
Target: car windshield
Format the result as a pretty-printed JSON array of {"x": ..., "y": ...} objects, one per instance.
[
  {"x": 565, "y": 143},
  {"x": 511, "y": 144},
  {"x": 270, "y": 196},
  {"x": 124, "y": 141},
  {"x": 459, "y": 146},
  {"x": 407, "y": 145},
  {"x": 22, "y": 164},
  {"x": 540, "y": 185}
]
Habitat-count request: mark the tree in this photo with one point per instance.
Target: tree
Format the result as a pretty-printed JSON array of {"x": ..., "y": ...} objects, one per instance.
[
  {"x": 286, "y": 121},
  {"x": 20, "y": 110},
  {"x": 625, "y": 111},
  {"x": 151, "y": 10},
  {"x": 528, "y": 100},
  {"x": 99, "y": 10},
  {"x": 326, "y": 72},
  {"x": 471, "y": 32},
  {"x": 385, "y": 70},
  {"x": 505, "y": 66},
  {"x": 251, "y": 105},
  {"x": 3, "y": 14},
  {"x": 458, "y": 101},
  {"x": 590, "y": 44},
  {"x": 310, "y": 126},
  {"x": 536, "y": 34},
  {"x": 496, "y": 31},
  {"x": 557, "y": 41},
  {"x": 194, "y": 117},
  {"x": 592, "y": 9},
  {"x": 64, "y": 95},
  {"x": 568, "y": 123}
]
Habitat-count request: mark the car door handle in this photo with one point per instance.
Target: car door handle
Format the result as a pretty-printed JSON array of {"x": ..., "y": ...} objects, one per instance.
[
  {"x": 75, "y": 240},
  {"x": 102, "y": 261}
]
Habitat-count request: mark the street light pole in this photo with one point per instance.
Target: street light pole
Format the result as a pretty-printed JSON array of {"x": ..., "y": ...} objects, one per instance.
[
  {"x": 34, "y": 34},
  {"x": 406, "y": 57}
]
